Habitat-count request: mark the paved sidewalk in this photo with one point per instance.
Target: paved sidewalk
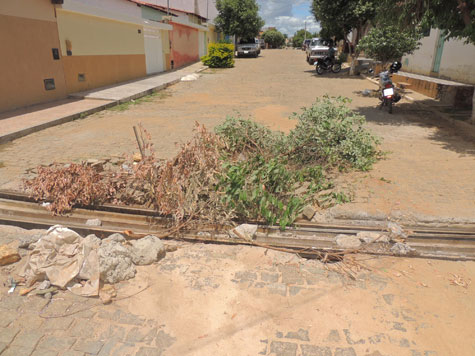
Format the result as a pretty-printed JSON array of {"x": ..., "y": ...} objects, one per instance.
[{"x": 22, "y": 122}]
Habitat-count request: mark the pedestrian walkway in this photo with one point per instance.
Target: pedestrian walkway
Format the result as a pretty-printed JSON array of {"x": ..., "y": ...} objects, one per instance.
[{"x": 22, "y": 122}]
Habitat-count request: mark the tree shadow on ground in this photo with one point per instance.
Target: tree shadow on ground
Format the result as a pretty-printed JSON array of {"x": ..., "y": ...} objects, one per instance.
[{"x": 453, "y": 135}]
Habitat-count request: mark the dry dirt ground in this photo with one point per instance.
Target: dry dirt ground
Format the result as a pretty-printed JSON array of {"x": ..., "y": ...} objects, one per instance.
[
  {"x": 203, "y": 300},
  {"x": 429, "y": 169}
]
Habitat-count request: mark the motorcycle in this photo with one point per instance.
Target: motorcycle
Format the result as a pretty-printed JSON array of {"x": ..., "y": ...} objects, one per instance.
[
  {"x": 389, "y": 95},
  {"x": 325, "y": 65}
]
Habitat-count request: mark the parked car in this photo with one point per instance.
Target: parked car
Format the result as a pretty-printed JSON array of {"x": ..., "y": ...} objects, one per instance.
[
  {"x": 305, "y": 44},
  {"x": 262, "y": 43},
  {"x": 248, "y": 47},
  {"x": 318, "y": 48}
]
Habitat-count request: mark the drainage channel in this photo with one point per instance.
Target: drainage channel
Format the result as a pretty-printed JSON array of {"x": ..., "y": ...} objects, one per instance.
[{"x": 19, "y": 210}]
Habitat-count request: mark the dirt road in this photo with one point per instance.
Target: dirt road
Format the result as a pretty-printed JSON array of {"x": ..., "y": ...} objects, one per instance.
[{"x": 429, "y": 170}]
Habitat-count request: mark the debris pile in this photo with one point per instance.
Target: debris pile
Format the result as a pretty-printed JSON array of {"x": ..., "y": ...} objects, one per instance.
[
  {"x": 393, "y": 240},
  {"x": 242, "y": 170},
  {"x": 62, "y": 259}
]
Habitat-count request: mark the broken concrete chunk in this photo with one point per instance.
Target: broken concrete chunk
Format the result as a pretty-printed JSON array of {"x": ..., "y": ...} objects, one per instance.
[
  {"x": 115, "y": 237},
  {"x": 402, "y": 249},
  {"x": 115, "y": 264},
  {"x": 372, "y": 236},
  {"x": 244, "y": 231},
  {"x": 147, "y": 250},
  {"x": 308, "y": 212},
  {"x": 347, "y": 241},
  {"x": 396, "y": 232},
  {"x": 8, "y": 254},
  {"x": 94, "y": 222}
]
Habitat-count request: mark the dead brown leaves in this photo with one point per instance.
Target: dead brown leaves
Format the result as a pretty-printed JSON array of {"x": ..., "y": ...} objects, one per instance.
[{"x": 66, "y": 186}]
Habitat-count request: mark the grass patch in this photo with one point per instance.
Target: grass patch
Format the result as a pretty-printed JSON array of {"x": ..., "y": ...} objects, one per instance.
[{"x": 161, "y": 94}]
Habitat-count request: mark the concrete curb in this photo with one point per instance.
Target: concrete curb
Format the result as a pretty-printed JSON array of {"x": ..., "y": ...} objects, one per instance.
[
  {"x": 82, "y": 114},
  {"x": 78, "y": 115}
]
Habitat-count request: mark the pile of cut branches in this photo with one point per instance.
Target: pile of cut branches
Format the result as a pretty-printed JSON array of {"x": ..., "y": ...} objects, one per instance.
[{"x": 242, "y": 170}]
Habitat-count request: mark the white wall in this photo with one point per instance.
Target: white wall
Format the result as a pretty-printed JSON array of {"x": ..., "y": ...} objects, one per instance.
[
  {"x": 458, "y": 62},
  {"x": 203, "y": 7},
  {"x": 421, "y": 60}
]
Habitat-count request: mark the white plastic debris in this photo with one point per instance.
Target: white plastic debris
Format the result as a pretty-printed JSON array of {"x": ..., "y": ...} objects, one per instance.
[{"x": 190, "y": 77}]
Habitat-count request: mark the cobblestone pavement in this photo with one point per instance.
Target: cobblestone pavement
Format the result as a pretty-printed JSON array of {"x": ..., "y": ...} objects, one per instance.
[{"x": 236, "y": 300}]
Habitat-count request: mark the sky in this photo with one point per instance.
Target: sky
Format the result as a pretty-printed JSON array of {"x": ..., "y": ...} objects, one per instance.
[{"x": 288, "y": 16}]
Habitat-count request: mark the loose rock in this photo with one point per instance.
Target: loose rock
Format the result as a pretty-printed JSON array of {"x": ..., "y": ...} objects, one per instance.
[
  {"x": 8, "y": 254},
  {"x": 372, "y": 236},
  {"x": 107, "y": 292},
  {"x": 396, "y": 232},
  {"x": 347, "y": 241},
  {"x": 115, "y": 264},
  {"x": 44, "y": 285},
  {"x": 402, "y": 249},
  {"x": 308, "y": 212},
  {"x": 147, "y": 250},
  {"x": 247, "y": 231},
  {"x": 94, "y": 222}
]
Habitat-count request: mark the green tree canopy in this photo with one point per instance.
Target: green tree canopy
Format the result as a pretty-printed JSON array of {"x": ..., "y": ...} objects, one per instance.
[
  {"x": 274, "y": 38},
  {"x": 456, "y": 17},
  {"x": 299, "y": 37},
  {"x": 340, "y": 17},
  {"x": 388, "y": 43},
  {"x": 238, "y": 17}
]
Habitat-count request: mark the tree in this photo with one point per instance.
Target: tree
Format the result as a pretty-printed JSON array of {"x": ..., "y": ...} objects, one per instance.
[
  {"x": 274, "y": 38},
  {"x": 299, "y": 37},
  {"x": 388, "y": 43},
  {"x": 340, "y": 17},
  {"x": 456, "y": 17},
  {"x": 238, "y": 17}
]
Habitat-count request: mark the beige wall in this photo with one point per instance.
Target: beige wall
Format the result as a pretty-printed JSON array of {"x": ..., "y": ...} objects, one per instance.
[
  {"x": 104, "y": 51},
  {"x": 97, "y": 36},
  {"x": 33, "y": 9},
  {"x": 26, "y": 60},
  {"x": 100, "y": 71}
]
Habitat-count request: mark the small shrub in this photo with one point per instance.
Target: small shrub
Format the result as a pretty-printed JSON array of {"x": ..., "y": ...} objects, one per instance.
[
  {"x": 220, "y": 55},
  {"x": 330, "y": 133},
  {"x": 246, "y": 135}
]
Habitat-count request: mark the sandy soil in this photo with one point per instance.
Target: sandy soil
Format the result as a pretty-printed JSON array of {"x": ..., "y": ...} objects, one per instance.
[
  {"x": 205, "y": 299},
  {"x": 429, "y": 170}
]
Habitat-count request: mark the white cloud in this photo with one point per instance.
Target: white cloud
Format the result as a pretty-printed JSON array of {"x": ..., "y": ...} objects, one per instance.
[
  {"x": 291, "y": 24},
  {"x": 280, "y": 14}
]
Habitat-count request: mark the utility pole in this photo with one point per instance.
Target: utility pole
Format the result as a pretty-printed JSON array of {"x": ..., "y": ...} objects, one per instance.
[
  {"x": 305, "y": 31},
  {"x": 168, "y": 7}
]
